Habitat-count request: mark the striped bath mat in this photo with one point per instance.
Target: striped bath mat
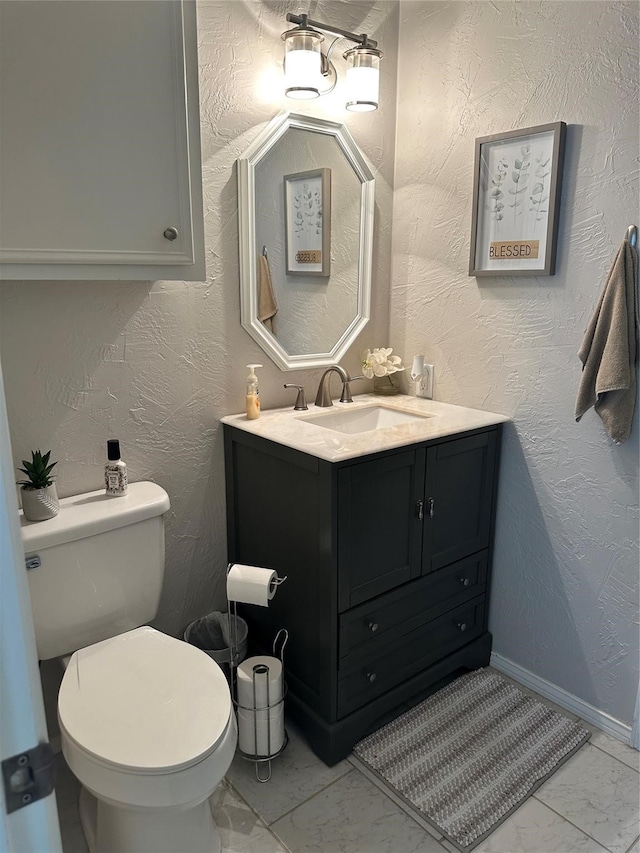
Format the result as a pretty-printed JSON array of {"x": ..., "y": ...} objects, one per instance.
[{"x": 469, "y": 755}]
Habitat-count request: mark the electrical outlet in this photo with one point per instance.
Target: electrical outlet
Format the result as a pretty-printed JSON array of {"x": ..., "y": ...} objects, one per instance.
[{"x": 424, "y": 386}]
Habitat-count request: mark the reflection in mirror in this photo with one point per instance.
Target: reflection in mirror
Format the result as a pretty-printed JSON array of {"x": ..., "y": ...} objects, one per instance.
[{"x": 306, "y": 200}]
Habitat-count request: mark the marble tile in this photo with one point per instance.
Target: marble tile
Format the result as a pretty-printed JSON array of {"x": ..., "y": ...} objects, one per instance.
[
  {"x": 534, "y": 828},
  {"x": 616, "y": 747},
  {"x": 241, "y": 831},
  {"x": 297, "y": 774},
  {"x": 599, "y": 794},
  {"x": 389, "y": 792},
  {"x": 635, "y": 848},
  {"x": 352, "y": 816}
]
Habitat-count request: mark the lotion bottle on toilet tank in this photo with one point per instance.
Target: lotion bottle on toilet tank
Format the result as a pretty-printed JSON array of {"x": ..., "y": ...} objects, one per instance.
[{"x": 115, "y": 472}]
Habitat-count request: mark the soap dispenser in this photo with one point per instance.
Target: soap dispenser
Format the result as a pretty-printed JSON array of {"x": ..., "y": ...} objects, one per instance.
[{"x": 253, "y": 394}]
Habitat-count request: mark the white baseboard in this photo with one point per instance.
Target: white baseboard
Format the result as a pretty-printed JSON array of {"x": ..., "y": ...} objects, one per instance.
[{"x": 561, "y": 697}]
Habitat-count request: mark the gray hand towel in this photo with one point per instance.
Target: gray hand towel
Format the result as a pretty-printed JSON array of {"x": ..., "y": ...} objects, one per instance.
[{"x": 609, "y": 351}]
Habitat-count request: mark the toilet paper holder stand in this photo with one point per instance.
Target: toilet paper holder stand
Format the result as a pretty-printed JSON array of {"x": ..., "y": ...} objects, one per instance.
[{"x": 262, "y": 762}]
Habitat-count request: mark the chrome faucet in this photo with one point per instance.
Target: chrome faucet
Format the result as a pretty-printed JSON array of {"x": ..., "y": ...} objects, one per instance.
[{"x": 323, "y": 397}]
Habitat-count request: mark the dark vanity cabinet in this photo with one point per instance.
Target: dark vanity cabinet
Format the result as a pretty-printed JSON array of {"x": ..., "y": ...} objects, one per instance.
[{"x": 387, "y": 559}]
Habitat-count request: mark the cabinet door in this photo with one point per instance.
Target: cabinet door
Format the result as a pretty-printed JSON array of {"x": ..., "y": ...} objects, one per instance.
[
  {"x": 99, "y": 157},
  {"x": 379, "y": 529},
  {"x": 459, "y": 494}
]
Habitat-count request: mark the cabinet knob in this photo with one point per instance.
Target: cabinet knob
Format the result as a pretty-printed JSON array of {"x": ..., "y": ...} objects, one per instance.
[
  {"x": 462, "y": 626},
  {"x": 373, "y": 627},
  {"x": 465, "y": 581},
  {"x": 371, "y": 676},
  {"x": 170, "y": 233}
]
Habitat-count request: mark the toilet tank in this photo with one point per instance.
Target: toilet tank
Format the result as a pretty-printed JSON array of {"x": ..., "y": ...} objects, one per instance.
[{"x": 96, "y": 569}]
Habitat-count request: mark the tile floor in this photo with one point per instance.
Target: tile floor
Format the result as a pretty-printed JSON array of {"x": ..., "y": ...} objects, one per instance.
[{"x": 591, "y": 805}]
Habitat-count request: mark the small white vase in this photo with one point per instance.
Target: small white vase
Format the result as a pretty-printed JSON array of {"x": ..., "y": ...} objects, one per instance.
[{"x": 40, "y": 504}]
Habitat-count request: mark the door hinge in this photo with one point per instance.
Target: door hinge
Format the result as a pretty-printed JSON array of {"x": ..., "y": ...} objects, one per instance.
[{"x": 28, "y": 776}]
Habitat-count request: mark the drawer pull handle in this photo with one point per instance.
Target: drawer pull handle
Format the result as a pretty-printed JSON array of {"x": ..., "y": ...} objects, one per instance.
[
  {"x": 420, "y": 509},
  {"x": 170, "y": 233},
  {"x": 371, "y": 676},
  {"x": 431, "y": 505},
  {"x": 373, "y": 627},
  {"x": 462, "y": 626},
  {"x": 465, "y": 581}
]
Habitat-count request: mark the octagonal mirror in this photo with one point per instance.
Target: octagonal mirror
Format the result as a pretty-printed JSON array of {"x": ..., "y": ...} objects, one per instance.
[{"x": 306, "y": 209}]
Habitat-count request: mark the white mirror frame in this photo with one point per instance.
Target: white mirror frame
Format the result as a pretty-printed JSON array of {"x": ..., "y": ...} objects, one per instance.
[{"x": 248, "y": 250}]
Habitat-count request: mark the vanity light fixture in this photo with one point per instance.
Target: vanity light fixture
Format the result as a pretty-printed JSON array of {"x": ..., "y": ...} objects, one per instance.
[{"x": 309, "y": 73}]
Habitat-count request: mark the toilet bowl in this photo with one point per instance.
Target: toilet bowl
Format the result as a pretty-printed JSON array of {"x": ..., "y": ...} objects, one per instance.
[
  {"x": 146, "y": 720},
  {"x": 148, "y": 729}
]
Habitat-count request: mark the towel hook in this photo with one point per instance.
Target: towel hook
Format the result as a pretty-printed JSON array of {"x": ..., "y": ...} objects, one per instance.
[
  {"x": 632, "y": 235},
  {"x": 264, "y": 252}
]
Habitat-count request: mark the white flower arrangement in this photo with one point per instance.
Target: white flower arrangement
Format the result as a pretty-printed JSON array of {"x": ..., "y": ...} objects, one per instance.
[{"x": 380, "y": 362}]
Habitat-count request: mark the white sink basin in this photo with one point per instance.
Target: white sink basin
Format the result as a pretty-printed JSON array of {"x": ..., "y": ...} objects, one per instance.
[{"x": 365, "y": 419}]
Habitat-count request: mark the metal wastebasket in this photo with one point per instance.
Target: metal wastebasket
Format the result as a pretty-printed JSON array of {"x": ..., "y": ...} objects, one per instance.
[{"x": 211, "y": 634}]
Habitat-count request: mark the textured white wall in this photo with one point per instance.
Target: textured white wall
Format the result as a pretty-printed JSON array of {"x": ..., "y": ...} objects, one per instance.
[
  {"x": 157, "y": 364},
  {"x": 565, "y": 593}
]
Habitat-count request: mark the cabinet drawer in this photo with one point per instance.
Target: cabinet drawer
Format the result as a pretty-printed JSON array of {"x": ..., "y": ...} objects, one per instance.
[
  {"x": 371, "y": 626},
  {"x": 409, "y": 655}
]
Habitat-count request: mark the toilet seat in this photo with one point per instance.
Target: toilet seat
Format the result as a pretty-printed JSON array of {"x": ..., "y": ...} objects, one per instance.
[{"x": 144, "y": 703}]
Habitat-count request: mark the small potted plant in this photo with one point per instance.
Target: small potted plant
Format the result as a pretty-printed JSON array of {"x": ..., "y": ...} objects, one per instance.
[{"x": 39, "y": 496}]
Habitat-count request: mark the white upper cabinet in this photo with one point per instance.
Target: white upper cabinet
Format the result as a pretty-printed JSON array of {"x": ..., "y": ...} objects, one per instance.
[{"x": 100, "y": 174}]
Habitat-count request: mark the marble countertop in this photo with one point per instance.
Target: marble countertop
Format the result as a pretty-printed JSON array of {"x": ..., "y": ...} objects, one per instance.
[{"x": 291, "y": 428}]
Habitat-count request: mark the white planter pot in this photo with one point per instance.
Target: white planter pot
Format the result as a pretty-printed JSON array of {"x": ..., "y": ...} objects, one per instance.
[{"x": 40, "y": 504}]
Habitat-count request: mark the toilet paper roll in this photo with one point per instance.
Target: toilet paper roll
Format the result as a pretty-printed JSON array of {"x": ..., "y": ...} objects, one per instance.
[
  {"x": 251, "y": 584},
  {"x": 256, "y": 727},
  {"x": 273, "y": 679}
]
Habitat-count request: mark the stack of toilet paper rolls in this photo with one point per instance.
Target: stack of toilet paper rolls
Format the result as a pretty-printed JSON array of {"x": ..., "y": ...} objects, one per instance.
[{"x": 260, "y": 711}]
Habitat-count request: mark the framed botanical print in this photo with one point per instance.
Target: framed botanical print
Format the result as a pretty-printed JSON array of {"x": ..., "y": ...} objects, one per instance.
[
  {"x": 307, "y": 206},
  {"x": 516, "y": 198}
]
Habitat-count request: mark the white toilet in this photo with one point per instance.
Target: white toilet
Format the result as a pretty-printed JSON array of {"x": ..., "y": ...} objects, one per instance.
[{"x": 146, "y": 720}]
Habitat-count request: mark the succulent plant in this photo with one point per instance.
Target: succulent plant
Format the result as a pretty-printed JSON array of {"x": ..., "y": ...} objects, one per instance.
[{"x": 38, "y": 471}]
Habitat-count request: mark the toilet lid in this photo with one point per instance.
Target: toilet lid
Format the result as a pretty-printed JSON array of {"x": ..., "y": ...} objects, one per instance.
[{"x": 144, "y": 701}]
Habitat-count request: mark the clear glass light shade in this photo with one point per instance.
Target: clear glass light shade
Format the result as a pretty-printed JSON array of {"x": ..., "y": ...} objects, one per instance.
[
  {"x": 363, "y": 78},
  {"x": 302, "y": 64}
]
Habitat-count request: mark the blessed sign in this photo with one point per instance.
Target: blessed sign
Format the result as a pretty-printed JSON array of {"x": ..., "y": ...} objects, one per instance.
[
  {"x": 504, "y": 250},
  {"x": 310, "y": 256}
]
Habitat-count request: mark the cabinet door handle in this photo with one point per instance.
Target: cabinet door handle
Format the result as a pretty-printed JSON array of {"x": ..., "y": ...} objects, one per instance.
[
  {"x": 462, "y": 626},
  {"x": 431, "y": 505},
  {"x": 465, "y": 581},
  {"x": 371, "y": 676},
  {"x": 170, "y": 233},
  {"x": 373, "y": 627},
  {"x": 420, "y": 509}
]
